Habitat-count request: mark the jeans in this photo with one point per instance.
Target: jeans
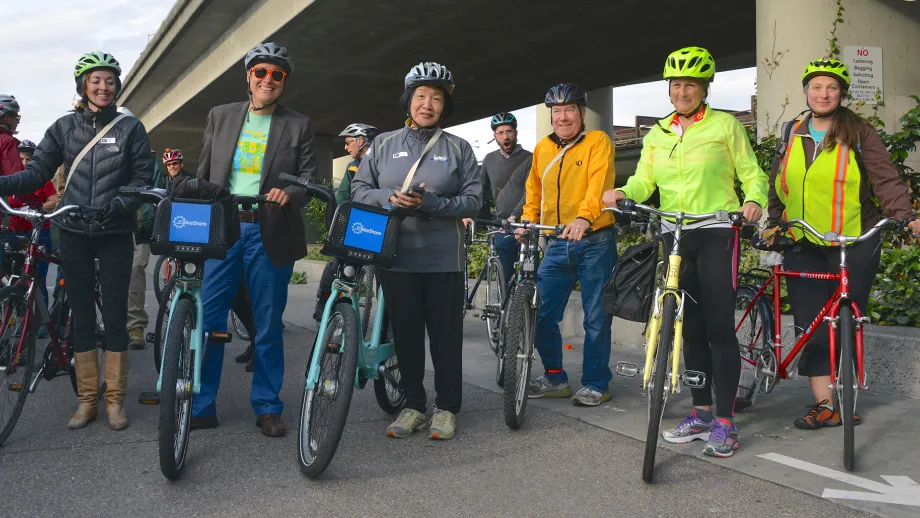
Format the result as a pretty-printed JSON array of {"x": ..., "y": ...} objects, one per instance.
[
  {"x": 268, "y": 288},
  {"x": 507, "y": 249},
  {"x": 590, "y": 263}
]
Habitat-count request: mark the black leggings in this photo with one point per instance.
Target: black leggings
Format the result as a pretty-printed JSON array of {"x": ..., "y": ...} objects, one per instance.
[
  {"x": 433, "y": 301},
  {"x": 807, "y": 296},
  {"x": 116, "y": 255},
  {"x": 708, "y": 272}
]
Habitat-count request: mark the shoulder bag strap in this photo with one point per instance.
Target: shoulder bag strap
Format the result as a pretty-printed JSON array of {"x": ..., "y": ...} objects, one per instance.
[
  {"x": 89, "y": 146},
  {"x": 408, "y": 181}
]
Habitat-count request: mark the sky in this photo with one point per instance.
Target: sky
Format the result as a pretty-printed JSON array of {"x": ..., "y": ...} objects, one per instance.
[{"x": 49, "y": 35}]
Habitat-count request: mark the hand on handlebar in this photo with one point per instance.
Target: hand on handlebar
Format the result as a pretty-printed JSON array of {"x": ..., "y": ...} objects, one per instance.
[
  {"x": 575, "y": 230},
  {"x": 752, "y": 212},
  {"x": 611, "y": 197},
  {"x": 277, "y": 197}
]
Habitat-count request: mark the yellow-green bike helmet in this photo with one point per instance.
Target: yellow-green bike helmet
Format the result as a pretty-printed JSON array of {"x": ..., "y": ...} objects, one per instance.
[
  {"x": 827, "y": 67},
  {"x": 694, "y": 62}
]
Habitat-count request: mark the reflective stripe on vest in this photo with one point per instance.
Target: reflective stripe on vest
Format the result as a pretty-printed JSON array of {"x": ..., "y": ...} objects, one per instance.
[{"x": 823, "y": 194}]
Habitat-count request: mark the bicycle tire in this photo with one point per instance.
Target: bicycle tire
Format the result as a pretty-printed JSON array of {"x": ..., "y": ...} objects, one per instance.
[
  {"x": 519, "y": 336},
  {"x": 13, "y": 298},
  {"x": 847, "y": 381},
  {"x": 315, "y": 453},
  {"x": 756, "y": 327},
  {"x": 495, "y": 295},
  {"x": 175, "y": 416},
  {"x": 390, "y": 399},
  {"x": 158, "y": 277},
  {"x": 159, "y": 331},
  {"x": 656, "y": 393}
]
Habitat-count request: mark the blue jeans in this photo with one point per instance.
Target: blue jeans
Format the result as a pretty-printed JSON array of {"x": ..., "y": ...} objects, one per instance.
[
  {"x": 507, "y": 249},
  {"x": 268, "y": 289},
  {"x": 590, "y": 263}
]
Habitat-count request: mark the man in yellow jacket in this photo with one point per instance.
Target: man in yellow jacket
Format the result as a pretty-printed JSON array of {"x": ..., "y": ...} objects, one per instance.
[{"x": 571, "y": 170}]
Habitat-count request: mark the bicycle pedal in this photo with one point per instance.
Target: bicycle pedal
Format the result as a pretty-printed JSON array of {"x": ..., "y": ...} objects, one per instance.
[
  {"x": 693, "y": 379},
  {"x": 15, "y": 387},
  {"x": 627, "y": 369},
  {"x": 221, "y": 338},
  {"x": 148, "y": 398}
]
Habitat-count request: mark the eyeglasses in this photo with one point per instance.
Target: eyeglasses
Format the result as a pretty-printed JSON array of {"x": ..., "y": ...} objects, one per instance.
[{"x": 277, "y": 75}]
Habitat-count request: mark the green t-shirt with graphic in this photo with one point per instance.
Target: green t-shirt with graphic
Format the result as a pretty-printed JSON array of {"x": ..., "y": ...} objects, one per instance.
[{"x": 246, "y": 171}]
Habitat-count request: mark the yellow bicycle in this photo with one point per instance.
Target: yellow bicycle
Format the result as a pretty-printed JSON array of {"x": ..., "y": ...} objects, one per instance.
[{"x": 661, "y": 376}]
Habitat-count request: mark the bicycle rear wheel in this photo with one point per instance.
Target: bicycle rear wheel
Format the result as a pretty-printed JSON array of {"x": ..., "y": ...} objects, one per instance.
[
  {"x": 159, "y": 331},
  {"x": 518, "y": 345},
  {"x": 389, "y": 397},
  {"x": 176, "y": 394},
  {"x": 15, "y": 364},
  {"x": 758, "y": 363},
  {"x": 495, "y": 294},
  {"x": 325, "y": 406},
  {"x": 846, "y": 381},
  {"x": 162, "y": 271},
  {"x": 659, "y": 385}
]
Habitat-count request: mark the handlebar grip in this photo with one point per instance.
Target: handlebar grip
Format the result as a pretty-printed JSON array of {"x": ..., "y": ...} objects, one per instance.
[
  {"x": 489, "y": 222},
  {"x": 627, "y": 204},
  {"x": 292, "y": 179},
  {"x": 125, "y": 189}
]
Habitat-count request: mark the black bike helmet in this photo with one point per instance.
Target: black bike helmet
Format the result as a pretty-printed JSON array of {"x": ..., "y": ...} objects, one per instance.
[
  {"x": 565, "y": 93},
  {"x": 268, "y": 52}
]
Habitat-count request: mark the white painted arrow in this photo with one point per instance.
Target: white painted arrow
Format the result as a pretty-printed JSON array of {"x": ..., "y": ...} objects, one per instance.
[{"x": 899, "y": 490}]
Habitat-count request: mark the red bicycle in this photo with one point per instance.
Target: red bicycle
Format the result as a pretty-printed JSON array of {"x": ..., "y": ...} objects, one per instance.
[
  {"x": 23, "y": 309},
  {"x": 763, "y": 362}
]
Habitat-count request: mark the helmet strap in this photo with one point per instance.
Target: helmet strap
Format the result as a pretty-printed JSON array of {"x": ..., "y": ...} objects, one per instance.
[{"x": 692, "y": 113}]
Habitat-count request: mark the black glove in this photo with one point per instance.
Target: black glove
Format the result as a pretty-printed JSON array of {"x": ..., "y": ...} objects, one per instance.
[{"x": 113, "y": 213}]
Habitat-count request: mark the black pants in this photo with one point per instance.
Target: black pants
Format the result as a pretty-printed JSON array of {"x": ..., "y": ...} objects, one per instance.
[
  {"x": 116, "y": 255},
  {"x": 807, "y": 296},
  {"x": 433, "y": 301},
  {"x": 709, "y": 259}
]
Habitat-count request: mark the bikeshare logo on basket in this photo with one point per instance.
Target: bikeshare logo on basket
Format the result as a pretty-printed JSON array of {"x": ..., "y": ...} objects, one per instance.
[
  {"x": 180, "y": 222},
  {"x": 359, "y": 228}
]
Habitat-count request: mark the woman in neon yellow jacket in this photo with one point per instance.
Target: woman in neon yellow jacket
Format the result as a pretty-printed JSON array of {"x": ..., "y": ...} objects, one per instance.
[
  {"x": 831, "y": 171},
  {"x": 693, "y": 157}
]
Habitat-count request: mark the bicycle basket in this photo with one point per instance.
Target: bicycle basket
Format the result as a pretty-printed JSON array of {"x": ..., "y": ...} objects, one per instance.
[
  {"x": 193, "y": 229},
  {"x": 628, "y": 293},
  {"x": 363, "y": 234}
]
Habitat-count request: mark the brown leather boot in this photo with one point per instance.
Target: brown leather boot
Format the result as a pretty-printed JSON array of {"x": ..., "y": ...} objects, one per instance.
[
  {"x": 116, "y": 377},
  {"x": 86, "y": 366}
]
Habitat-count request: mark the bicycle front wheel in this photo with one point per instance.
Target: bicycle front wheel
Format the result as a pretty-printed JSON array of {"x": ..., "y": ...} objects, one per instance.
[
  {"x": 15, "y": 363},
  {"x": 325, "y": 406},
  {"x": 659, "y": 384},
  {"x": 159, "y": 331},
  {"x": 518, "y": 345},
  {"x": 846, "y": 383},
  {"x": 176, "y": 394}
]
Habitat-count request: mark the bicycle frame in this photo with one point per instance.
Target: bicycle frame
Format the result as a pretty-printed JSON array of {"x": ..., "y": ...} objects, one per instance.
[
  {"x": 671, "y": 277},
  {"x": 187, "y": 287},
  {"x": 372, "y": 353},
  {"x": 829, "y": 312},
  {"x": 468, "y": 294}
]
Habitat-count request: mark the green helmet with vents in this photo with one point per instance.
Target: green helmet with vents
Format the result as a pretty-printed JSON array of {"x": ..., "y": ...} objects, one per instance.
[
  {"x": 96, "y": 60},
  {"x": 827, "y": 67},
  {"x": 694, "y": 62}
]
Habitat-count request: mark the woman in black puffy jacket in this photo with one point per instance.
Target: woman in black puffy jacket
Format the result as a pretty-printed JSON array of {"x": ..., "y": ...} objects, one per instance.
[{"x": 120, "y": 158}]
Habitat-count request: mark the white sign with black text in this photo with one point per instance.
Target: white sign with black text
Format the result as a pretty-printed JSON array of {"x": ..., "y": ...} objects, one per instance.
[{"x": 865, "y": 64}]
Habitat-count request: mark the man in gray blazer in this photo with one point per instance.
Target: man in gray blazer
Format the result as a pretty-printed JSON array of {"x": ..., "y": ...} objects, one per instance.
[{"x": 247, "y": 145}]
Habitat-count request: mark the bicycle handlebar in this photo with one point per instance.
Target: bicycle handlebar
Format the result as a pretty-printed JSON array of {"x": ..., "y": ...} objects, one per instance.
[
  {"x": 835, "y": 238},
  {"x": 316, "y": 190},
  {"x": 38, "y": 215},
  {"x": 628, "y": 206}
]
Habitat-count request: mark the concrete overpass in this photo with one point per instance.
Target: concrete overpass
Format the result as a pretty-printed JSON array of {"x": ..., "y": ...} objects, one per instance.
[{"x": 351, "y": 55}]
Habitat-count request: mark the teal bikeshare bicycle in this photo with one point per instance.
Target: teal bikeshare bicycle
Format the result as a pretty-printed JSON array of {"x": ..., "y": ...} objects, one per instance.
[{"x": 194, "y": 230}]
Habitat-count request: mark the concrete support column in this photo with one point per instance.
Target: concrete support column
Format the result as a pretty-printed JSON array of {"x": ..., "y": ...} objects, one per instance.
[
  {"x": 338, "y": 168},
  {"x": 801, "y": 31},
  {"x": 322, "y": 145},
  {"x": 598, "y": 114}
]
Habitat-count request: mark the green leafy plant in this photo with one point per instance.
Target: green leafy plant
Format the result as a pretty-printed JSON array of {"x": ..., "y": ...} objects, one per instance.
[
  {"x": 298, "y": 278},
  {"x": 895, "y": 298}
]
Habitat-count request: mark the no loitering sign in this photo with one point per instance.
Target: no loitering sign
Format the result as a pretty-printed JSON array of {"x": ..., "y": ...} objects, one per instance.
[{"x": 865, "y": 64}]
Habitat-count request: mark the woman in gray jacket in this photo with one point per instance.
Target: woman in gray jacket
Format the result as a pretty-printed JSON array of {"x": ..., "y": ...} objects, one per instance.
[{"x": 424, "y": 288}]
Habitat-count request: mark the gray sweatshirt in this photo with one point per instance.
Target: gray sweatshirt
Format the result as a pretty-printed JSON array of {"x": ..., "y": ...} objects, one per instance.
[
  {"x": 433, "y": 242},
  {"x": 496, "y": 168}
]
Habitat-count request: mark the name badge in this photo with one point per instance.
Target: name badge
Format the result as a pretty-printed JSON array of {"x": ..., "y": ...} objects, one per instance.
[
  {"x": 107, "y": 140},
  {"x": 400, "y": 154}
]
